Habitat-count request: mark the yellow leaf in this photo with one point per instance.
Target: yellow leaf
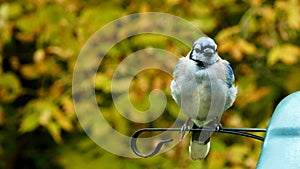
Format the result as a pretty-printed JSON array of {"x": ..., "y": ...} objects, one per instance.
[
  {"x": 29, "y": 72},
  {"x": 288, "y": 54},
  {"x": 258, "y": 94},
  {"x": 63, "y": 53},
  {"x": 225, "y": 46},
  {"x": 227, "y": 33},
  {"x": 54, "y": 131},
  {"x": 291, "y": 8},
  {"x": 45, "y": 117},
  {"x": 246, "y": 47},
  {"x": 236, "y": 53},
  {"x": 281, "y": 5},
  {"x": 268, "y": 13},
  {"x": 173, "y": 2},
  {"x": 39, "y": 55},
  {"x": 293, "y": 14},
  {"x": 255, "y": 2},
  {"x": 57, "y": 88},
  {"x": 62, "y": 120},
  {"x": 251, "y": 94},
  {"x": 68, "y": 106}
]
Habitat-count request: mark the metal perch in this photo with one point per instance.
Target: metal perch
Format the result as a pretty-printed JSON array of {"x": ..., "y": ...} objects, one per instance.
[{"x": 235, "y": 131}]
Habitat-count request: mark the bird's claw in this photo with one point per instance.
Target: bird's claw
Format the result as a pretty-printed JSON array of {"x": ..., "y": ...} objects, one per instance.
[
  {"x": 219, "y": 127},
  {"x": 185, "y": 128}
]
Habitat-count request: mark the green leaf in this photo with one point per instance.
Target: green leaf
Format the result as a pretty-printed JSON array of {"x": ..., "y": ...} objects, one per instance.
[
  {"x": 103, "y": 82},
  {"x": 10, "y": 87},
  {"x": 30, "y": 122},
  {"x": 54, "y": 130},
  {"x": 10, "y": 10},
  {"x": 43, "y": 112}
]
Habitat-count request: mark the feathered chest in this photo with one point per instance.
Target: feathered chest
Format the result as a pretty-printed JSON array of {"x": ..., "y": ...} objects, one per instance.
[
  {"x": 200, "y": 90},
  {"x": 189, "y": 75}
]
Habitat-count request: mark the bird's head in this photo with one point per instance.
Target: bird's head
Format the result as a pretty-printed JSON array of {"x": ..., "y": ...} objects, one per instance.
[{"x": 204, "y": 51}]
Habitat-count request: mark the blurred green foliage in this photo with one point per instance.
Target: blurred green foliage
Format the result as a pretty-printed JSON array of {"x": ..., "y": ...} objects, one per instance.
[{"x": 39, "y": 44}]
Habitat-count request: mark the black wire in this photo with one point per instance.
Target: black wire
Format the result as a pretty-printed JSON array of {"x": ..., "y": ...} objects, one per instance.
[
  {"x": 243, "y": 134},
  {"x": 235, "y": 131}
]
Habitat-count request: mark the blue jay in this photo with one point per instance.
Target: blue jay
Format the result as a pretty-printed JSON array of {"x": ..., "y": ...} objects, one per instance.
[{"x": 203, "y": 88}]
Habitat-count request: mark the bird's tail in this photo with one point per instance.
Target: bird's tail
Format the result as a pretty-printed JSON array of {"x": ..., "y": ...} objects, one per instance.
[{"x": 200, "y": 144}]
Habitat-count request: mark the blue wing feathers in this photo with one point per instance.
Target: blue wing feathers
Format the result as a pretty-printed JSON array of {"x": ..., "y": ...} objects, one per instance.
[{"x": 230, "y": 75}]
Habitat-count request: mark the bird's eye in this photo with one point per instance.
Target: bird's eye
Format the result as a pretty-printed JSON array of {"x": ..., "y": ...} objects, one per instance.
[{"x": 197, "y": 50}]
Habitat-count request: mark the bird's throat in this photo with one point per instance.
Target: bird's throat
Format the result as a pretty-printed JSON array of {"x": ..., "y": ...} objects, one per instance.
[{"x": 200, "y": 63}]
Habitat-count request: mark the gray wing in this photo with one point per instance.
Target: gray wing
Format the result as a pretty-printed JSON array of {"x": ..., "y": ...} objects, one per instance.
[
  {"x": 232, "y": 89},
  {"x": 175, "y": 89}
]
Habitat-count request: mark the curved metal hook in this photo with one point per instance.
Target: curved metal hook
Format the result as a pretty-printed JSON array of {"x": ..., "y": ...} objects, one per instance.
[
  {"x": 235, "y": 131},
  {"x": 157, "y": 148}
]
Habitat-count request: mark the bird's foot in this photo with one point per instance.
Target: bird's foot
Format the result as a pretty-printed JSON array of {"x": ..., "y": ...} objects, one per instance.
[
  {"x": 185, "y": 128},
  {"x": 219, "y": 127}
]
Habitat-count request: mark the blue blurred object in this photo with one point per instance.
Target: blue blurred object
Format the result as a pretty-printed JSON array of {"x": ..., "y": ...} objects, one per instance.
[{"x": 281, "y": 148}]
